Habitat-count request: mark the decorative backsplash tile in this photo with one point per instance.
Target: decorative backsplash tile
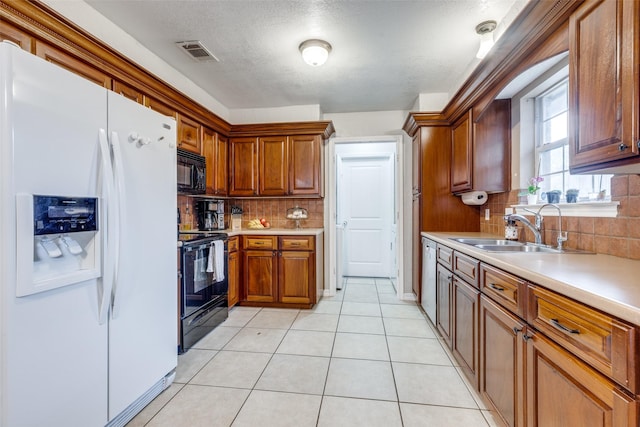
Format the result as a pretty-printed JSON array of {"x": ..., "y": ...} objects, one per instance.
[{"x": 273, "y": 210}]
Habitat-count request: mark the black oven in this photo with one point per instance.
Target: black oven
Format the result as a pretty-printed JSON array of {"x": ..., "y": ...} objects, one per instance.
[
  {"x": 203, "y": 286},
  {"x": 191, "y": 173}
]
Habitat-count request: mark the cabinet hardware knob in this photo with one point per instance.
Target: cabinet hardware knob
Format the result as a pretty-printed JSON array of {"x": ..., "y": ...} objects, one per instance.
[
  {"x": 496, "y": 287},
  {"x": 622, "y": 147},
  {"x": 526, "y": 337},
  {"x": 560, "y": 326},
  {"x": 516, "y": 330}
]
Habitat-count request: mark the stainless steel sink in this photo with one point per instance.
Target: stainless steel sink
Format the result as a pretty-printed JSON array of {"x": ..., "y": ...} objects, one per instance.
[
  {"x": 518, "y": 248},
  {"x": 510, "y": 246},
  {"x": 492, "y": 242}
]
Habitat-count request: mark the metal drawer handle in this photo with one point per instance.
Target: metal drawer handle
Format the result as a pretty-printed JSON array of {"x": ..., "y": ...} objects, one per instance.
[
  {"x": 560, "y": 326},
  {"x": 496, "y": 287}
]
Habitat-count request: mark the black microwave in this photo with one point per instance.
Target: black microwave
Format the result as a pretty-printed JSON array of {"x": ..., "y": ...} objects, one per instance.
[{"x": 191, "y": 173}]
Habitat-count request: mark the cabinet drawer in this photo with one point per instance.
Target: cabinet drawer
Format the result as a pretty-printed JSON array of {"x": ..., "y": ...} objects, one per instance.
[
  {"x": 233, "y": 244},
  {"x": 507, "y": 290},
  {"x": 301, "y": 243},
  {"x": 259, "y": 242},
  {"x": 444, "y": 256},
  {"x": 467, "y": 268},
  {"x": 606, "y": 343}
]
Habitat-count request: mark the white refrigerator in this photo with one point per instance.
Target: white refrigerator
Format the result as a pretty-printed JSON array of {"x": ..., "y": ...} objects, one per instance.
[{"x": 88, "y": 310}]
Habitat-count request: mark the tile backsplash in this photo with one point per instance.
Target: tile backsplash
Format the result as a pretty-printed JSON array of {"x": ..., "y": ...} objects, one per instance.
[
  {"x": 273, "y": 210},
  {"x": 618, "y": 236}
]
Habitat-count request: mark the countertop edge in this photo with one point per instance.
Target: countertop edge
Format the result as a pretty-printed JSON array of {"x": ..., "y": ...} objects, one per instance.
[{"x": 607, "y": 283}]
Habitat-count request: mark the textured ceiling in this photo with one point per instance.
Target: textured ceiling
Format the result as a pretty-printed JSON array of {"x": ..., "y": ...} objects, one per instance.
[{"x": 384, "y": 53}]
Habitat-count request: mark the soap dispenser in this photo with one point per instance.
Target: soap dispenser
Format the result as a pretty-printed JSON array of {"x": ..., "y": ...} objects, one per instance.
[{"x": 510, "y": 227}]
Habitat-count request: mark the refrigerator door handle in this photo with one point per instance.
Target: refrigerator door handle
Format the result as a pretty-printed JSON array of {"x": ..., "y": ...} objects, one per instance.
[
  {"x": 118, "y": 172},
  {"x": 107, "y": 199}
]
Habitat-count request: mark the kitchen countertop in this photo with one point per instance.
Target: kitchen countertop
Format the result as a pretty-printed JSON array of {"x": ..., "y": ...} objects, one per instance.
[{"x": 605, "y": 282}]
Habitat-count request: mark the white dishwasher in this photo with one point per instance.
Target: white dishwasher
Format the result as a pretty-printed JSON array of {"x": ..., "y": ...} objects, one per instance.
[{"x": 428, "y": 294}]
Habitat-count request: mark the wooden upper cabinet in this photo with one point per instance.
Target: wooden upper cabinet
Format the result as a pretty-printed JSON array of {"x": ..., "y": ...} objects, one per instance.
[
  {"x": 416, "y": 160},
  {"x": 462, "y": 154},
  {"x": 189, "y": 137},
  {"x": 273, "y": 166},
  {"x": 604, "y": 89},
  {"x": 221, "y": 178},
  {"x": 305, "y": 162},
  {"x": 128, "y": 91},
  {"x": 159, "y": 107},
  {"x": 72, "y": 64},
  {"x": 13, "y": 34},
  {"x": 492, "y": 148},
  {"x": 243, "y": 166},
  {"x": 214, "y": 149}
]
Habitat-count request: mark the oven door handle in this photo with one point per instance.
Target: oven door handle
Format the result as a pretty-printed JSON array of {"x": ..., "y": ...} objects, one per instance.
[{"x": 199, "y": 316}]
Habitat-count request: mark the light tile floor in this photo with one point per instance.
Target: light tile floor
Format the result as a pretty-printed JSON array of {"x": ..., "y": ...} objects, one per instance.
[{"x": 361, "y": 358}]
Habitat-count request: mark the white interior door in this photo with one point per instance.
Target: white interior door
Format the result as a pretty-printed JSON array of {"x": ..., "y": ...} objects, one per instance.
[{"x": 365, "y": 207}]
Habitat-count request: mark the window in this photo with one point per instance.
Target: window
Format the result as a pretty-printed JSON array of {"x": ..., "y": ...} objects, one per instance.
[{"x": 552, "y": 148}]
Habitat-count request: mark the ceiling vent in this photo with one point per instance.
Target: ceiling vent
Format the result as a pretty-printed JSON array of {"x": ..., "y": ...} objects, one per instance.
[{"x": 196, "y": 50}]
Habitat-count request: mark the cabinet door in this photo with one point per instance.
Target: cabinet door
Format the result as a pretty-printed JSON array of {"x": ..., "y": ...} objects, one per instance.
[
  {"x": 260, "y": 276},
  {"x": 502, "y": 351},
  {"x": 160, "y": 107},
  {"x": 72, "y": 64},
  {"x": 563, "y": 391},
  {"x": 128, "y": 91},
  {"x": 603, "y": 83},
  {"x": 221, "y": 175},
  {"x": 444, "y": 290},
  {"x": 462, "y": 154},
  {"x": 274, "y": 166},
  {"x": 234, "y": 278},
  {"x": 466, "y": 301},
  {"x": 416, "y": 175},
  {"x": 296, "y": 278},
  {"x": 243, "y": 167},
  {"x": 492, "y": 148},
  {"x": 11, "y": 33},
  {"x": 305, "y": 165},
  {"x": 189, "y": 137},
  {"x": 214, "y": 149}
]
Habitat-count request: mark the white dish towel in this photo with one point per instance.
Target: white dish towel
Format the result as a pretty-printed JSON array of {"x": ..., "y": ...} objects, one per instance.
[
  {"x": 219, "y": 259},
  {"x": 210, "y": 266}
]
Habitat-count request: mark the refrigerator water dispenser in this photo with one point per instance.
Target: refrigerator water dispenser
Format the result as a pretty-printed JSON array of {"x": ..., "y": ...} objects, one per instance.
[{"x": 58, "y": 242}]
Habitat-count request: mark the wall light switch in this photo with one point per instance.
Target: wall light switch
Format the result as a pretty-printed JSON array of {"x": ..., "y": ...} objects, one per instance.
[{"x": 487, "y": 214}]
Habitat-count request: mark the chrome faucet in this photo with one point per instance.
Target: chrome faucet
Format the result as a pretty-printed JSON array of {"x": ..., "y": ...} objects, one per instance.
[
  {"x": 561, "y": 237},
  {"x": 536, "y": 227}
]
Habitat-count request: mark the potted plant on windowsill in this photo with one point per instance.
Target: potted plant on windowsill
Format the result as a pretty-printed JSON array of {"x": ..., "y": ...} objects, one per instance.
[
  {"x": 572, "y": 195},
  {"x": 532, "y": 190}
]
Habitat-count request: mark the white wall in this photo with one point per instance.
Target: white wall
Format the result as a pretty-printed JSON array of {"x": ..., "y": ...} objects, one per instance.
[
  {"x": 293, "y": 113},
  {"x": 431, "y": 102},
  {"x": 93, "y": 22},
  {"x": 368, "y": 123}
]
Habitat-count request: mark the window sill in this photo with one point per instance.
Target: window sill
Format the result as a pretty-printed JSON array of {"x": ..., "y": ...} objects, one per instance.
[{"x": 585, "y": 209}]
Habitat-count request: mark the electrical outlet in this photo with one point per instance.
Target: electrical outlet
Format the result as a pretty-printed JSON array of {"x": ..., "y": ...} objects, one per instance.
[{"x": 487, "y": 214}]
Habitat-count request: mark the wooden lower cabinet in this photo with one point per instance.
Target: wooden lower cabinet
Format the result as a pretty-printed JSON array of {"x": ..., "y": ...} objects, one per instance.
[
  {"x": 444, "y": 291},
  {"x": 260, "y": 276},
  {"x": 234, "y": 272},
  {"x": 502, "y": 352},
  {"x": 466, "y": 302},
  {"x": 296, "y": 277},
  {"x": 279, "y": 271},
  {"x": 564, "y": 391}
]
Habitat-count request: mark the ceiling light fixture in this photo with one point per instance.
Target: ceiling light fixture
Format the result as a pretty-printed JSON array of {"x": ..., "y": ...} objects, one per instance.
[
  {"x": 315, "y": 52},
  {"x": 485, "y": 29}
]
